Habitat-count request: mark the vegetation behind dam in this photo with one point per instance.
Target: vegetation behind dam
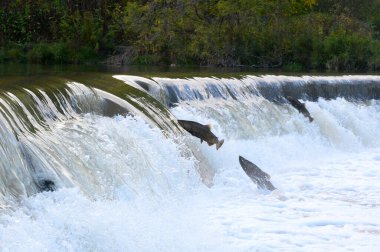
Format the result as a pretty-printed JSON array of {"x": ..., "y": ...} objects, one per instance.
[{"x": 293, "y": 35}]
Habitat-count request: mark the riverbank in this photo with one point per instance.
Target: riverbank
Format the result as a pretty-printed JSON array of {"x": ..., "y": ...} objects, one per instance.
[{"x": 288, "y": 35}]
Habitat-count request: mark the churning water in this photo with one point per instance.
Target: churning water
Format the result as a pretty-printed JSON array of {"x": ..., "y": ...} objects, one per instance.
[{"x": 126, "y": 178}]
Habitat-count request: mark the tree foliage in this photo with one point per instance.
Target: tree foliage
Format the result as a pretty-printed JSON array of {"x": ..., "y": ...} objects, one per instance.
[{"x": 298, "y": 34}]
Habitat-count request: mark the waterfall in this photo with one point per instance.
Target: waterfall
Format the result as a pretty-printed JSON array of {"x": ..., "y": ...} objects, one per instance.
[{"x": 100, "y": 163}]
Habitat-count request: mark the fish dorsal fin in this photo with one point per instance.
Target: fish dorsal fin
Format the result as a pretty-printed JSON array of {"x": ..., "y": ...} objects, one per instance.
[{"x": 208, "y": 126}]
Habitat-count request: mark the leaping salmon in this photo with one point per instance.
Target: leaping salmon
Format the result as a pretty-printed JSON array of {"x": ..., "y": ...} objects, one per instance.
[
  {"x": 259, "y": 177},
  {"x": 300, "y": 107},
  {"x": 201, "y": 131}
]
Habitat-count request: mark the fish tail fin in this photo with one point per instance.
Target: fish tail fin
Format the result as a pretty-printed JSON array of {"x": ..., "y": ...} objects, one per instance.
[{"x": 219, "y": 144}]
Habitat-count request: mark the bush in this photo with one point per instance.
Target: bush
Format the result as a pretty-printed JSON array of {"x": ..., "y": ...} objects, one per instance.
[
  {"x": 61, "y": 53},
  {"x": 41, "y": 53},
  {"x": 294, "y": 67},
  {"x": 347, "y": 51},
  {"x": 2, "y": 55},
  {"x": 374, "y": 61},
  {"x": 146, "y": 60},
  {"x": 12, "y": 53}
]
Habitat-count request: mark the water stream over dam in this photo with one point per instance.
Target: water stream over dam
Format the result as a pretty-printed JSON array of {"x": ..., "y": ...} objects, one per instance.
[{"x": 126, "y": 177}]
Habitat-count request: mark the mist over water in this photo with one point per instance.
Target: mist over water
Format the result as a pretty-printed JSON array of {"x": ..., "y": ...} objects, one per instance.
[{"x": 125, "y": 184}]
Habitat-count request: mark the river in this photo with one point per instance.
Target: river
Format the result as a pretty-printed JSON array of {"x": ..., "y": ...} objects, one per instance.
[{"x": 126, "y": 177}]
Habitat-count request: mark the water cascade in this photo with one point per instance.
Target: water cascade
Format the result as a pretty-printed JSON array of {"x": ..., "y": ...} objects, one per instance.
[{"x": 99, "y": 163}]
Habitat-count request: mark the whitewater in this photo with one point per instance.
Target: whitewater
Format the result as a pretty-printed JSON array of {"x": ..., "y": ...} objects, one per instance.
[{"x": 126, "y": 183}]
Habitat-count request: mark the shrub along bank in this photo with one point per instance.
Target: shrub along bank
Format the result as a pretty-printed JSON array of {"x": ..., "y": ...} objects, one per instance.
[{"x": 289, "y": 34}]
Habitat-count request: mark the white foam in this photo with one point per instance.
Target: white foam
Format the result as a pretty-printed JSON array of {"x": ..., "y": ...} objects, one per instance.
[{"x": 150, "y": 198}]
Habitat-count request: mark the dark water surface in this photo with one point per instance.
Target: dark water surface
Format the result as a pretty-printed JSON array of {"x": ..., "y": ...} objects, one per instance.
[{"x": 179, "y": 71}]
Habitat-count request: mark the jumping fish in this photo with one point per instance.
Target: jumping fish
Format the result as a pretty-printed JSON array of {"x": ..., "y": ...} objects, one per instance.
[
  {"x": 300, "y": 107},
  {"x": 259, "y": 177},
  {"x": 201, "y": 131}
]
